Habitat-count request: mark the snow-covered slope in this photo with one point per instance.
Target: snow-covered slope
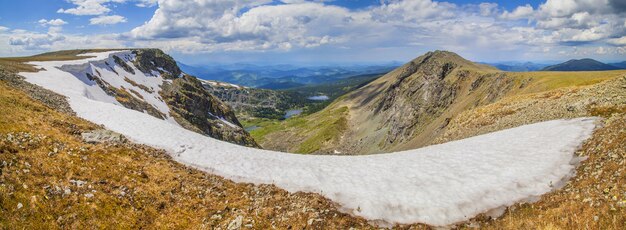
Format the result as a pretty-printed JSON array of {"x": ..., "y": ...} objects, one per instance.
[
  {"x": 437, "y": 185},
  {"x": 102, "y": 73},
  {"x": 147, "y": 80}
]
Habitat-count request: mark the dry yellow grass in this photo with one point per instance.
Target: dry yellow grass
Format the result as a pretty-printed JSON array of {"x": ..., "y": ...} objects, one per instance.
[
  {"x": 545, "y": 81},
  {"x": 17, "y": 64}
]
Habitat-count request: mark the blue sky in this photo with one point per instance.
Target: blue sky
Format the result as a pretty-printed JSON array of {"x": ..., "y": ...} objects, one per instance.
[{"x": 324, "y": 32}]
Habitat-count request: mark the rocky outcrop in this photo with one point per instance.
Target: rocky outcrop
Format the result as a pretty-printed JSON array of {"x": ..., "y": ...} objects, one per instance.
[
  {"x": 252, "y": 102},
  {"x": 124, "y": 97},
  {"x": 195, "y": 108},
  {"x": 190, "y": 104},
  {"x": 149, "y": 60},
  {"x": 416, "y": 95},
  {"x": 419, "y": 93}
]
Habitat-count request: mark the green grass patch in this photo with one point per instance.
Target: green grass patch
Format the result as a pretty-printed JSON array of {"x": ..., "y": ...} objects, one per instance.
[
  {"x": 268, "y": 126},
  {"x": 318, "y": 128},
  {"x": 328, "y": 131}
]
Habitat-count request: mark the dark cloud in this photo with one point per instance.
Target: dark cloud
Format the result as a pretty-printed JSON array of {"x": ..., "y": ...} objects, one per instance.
[
  {"x": 619, "y": 6},
  {"x": 576, "y": 43}
]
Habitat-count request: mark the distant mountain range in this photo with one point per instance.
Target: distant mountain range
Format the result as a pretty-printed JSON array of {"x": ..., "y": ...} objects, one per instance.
[
  {"x": 281, "y": 76},
  {"x": 586, "y": 64},
  {"x": 518, "y": 66},
  {"x": 621, "y": 65}
]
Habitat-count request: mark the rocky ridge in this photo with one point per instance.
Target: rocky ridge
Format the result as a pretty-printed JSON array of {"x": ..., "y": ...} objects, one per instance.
[
  {"x": 149, "y": 81},
  {"x": 196, "y": 109},
  {"x": 190, "y": 103}
]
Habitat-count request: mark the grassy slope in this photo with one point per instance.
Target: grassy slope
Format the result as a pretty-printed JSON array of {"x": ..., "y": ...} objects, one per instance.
[
  {"x": 526, "y": 84},
  {"x": 133, "y": 186},
  {"x": 512, "y": 111},
  {"x": 544, "y": 81}
]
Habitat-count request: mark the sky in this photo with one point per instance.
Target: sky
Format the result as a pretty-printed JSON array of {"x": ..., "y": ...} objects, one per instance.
[{"x": 202, "y": 32}]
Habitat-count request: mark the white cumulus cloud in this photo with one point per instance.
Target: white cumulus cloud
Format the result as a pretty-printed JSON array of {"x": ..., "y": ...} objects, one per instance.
[
  {"x": 52, "y": 22},
  {"x": 107, "y": 20},
  {"x": 618, "y": 41},
  {"x": 519, "y": 12},
  {"x": 89, "y": 7},
  {"x": 146, "y": 3}
]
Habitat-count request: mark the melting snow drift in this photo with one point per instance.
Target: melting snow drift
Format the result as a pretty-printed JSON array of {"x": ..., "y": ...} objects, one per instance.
[{"x": 436, "y": 185}]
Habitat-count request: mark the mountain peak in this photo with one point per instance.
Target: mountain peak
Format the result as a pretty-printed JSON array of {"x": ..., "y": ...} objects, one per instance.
[
  {"x": 443, "y": 54},
  {"x": 443, "y": 57},
  {"x": 585, "y": 64}
]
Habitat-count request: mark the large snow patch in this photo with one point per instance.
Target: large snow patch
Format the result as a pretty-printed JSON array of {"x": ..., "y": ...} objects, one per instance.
[{"x": 436, "y": 185}]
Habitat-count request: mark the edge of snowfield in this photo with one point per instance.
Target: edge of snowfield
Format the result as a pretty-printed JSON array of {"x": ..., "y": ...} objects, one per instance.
[{"x": 437, "y": 185}]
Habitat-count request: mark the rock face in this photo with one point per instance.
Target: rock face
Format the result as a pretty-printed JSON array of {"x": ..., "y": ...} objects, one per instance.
[
  {"x": 252, "y": 102},
  {"x": 124, "y": 96},
  {"x": 148, "y": 60},
  {"x": 425, "y": 88},
  {"x": 195, "y": 108},
  {"x": 411, "y": 105}
]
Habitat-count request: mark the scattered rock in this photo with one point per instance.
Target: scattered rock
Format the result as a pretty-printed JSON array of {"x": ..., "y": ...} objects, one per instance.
[
  {"x": 89, "y": 195},
  {"x": 216, "y": 217},
  {"x": 19, "y": 205},
  {"x": 78, "y": 183},
  {"x": 236, "y": 223},
  {"x": 102, "y": 135}
]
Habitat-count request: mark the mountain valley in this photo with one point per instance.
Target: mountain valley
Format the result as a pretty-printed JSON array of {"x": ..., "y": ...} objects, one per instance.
[
  {"x": 313, "y": 114},
  {"x": 283, "y": 77},
  {"x": 434, "y": 99}
]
